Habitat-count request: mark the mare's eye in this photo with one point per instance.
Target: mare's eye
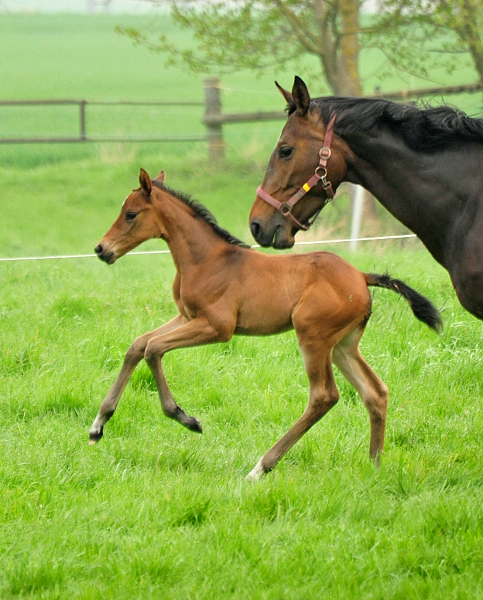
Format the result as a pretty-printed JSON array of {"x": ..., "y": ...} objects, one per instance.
[
  {"x": 130, "y": 216},
  {"x": 285, "y": 152}
]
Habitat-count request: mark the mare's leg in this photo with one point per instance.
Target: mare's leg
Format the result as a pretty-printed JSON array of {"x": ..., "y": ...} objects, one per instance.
[
  {"x": 468, "y": 285},
  {"x": 465, "y": 260},
  {"x": 132, "y": 358},
  {"x": 194, "y": 333},
  {"x": 373, "y": 391},
  {"x": 323, "y": 396}
]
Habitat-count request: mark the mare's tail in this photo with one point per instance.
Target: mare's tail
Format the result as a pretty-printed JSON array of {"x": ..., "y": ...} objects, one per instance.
[{"x": 422, "y": 308}]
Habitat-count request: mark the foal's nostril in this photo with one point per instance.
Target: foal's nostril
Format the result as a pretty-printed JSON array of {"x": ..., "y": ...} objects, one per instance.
[
  {"x": 255, "y": 228},
  {"x": 98, "y": 249}
]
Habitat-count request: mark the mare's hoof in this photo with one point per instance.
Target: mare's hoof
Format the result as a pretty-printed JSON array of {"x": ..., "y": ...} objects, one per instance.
[{"x": 194, "y": 425}]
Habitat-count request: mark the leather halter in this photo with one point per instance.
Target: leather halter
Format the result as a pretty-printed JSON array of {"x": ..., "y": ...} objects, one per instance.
[{"x": 320, "y": 175}]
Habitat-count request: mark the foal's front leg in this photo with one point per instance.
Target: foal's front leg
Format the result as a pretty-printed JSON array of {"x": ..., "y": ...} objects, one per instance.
[
  {"x": 195, "y": 333},
  {"x": 132, "y": 358}
]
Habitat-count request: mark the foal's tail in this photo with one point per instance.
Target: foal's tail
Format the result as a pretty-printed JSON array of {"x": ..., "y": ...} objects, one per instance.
[{"x": 422, "y": 308}]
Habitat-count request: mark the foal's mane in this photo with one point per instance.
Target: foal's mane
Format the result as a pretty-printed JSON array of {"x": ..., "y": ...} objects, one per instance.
[
  {"x": 425, "y": 130},
  {"x": 203, "y": 213}
]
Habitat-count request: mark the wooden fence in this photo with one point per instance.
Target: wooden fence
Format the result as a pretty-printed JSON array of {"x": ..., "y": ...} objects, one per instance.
[
  {"x": 83, "y": 136},
  {"x": 214, "y": 119}
]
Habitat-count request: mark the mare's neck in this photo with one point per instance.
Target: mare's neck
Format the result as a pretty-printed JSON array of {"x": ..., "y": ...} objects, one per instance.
[
  {"x": 389, "y": 170},
  {"x": 425, "y": 191}
]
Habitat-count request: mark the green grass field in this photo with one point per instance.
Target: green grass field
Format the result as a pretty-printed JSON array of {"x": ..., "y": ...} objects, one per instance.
[{"x": 154, "y": 511}]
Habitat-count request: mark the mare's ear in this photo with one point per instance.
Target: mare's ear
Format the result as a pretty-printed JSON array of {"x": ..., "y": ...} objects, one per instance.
[
  {"x": 145, "y": 182},
  {"x": 301, "y": 96},
  {"x": 288, "y": 98},
  {"x": 285, "y": 93},
  {"x": 161, "y": 176}
]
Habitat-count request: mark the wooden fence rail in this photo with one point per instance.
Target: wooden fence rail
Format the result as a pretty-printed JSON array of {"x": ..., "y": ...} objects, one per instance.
[
  {"x": 214, "y": 119},
  {"x": 83, "y": 119}
]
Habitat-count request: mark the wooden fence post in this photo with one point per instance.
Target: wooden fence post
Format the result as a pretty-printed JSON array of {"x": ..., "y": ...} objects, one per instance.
[
  {"x": 216, "y": 147},
  {"x": 82, "y": 119}
]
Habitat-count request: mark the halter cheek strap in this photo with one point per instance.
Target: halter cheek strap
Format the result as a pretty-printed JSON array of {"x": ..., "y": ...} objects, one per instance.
[{"x": 320, "y": 175}]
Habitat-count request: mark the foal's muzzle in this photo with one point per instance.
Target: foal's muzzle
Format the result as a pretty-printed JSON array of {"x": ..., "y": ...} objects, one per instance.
[{"x": 106, "y": 255}]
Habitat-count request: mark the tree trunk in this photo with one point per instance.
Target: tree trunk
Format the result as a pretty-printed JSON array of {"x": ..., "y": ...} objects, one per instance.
[
  {"x": 470, "y": 33},
  {"x": 339, "y": 53},
  {"x": 349, "y": 46}
]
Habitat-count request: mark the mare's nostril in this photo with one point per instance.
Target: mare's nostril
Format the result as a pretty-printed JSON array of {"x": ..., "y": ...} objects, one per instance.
[
  {"x": 255, "y": 228},
  {"x": 98, "y": 249}
]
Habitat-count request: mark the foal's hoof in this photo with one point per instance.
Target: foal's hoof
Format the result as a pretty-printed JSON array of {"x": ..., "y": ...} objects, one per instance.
[
  {"x": 95, "y": 435},
  {"x": 256, "y": 473}
]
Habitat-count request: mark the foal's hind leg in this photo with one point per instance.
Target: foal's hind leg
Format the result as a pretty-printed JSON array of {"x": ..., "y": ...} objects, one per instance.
[
  {"x": 132, "y": 358},
  {"x": 373, "y": 391},
  {"x": 323, "y": 396}
]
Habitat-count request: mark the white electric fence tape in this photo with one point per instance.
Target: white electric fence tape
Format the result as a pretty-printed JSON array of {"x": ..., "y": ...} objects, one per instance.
[{"x": 340, "y": 241}]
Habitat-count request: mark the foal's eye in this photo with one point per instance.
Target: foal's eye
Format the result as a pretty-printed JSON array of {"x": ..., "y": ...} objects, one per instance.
[
  {"x": 285, "y": 152},
  {"x": 130, "y": 216}
]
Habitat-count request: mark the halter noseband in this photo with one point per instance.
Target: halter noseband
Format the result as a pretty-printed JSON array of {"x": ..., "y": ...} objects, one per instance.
[{"x": 320, "y": 175}]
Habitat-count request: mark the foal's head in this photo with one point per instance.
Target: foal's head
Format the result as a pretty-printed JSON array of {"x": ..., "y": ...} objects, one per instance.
[{"x": 136, "y": 223}]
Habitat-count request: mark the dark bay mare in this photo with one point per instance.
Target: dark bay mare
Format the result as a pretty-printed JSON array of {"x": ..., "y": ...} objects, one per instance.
[
  {"x": 222, "y": 288},
  {"x": 424, "y": 166}
]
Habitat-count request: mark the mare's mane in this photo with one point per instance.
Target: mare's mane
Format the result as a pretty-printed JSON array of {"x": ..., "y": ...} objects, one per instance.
[
  {"x": 202, "y": 212},
  {"x": 424, "y": 130}
]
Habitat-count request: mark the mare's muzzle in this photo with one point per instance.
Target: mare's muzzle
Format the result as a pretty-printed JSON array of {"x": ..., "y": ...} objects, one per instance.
[{"x": 276, "y": 232}]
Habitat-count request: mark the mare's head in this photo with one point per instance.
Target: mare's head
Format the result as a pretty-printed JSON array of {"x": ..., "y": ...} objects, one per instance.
[
  {"x": 294, "y": 161},
  {"x": 136, "y": 223}
]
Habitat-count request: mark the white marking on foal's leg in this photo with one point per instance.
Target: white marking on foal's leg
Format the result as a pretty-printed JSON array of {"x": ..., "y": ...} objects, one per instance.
[{"x": 256, "y": 473}]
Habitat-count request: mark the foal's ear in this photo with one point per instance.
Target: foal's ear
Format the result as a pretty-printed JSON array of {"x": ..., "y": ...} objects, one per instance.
[
  {"x": 145, "y": 182},
  {"x": 301, "y": 96},
  {"x": 161, "y": 176}
]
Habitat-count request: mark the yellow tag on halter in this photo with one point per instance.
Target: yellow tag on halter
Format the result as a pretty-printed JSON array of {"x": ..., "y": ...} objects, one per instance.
[{"x": 306, "y": 187}]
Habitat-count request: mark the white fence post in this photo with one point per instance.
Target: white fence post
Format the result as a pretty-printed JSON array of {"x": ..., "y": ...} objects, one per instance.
[{"x": 358, "y": 194}]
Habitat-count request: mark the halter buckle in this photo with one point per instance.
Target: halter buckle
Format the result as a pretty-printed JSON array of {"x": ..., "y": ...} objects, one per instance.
[
  {"x": 325, "y": 153},
  {"x": 285, "y": 209}
]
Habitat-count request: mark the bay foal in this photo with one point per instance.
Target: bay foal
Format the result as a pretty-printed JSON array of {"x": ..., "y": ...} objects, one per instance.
[{"x": 222, "y": 288}]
